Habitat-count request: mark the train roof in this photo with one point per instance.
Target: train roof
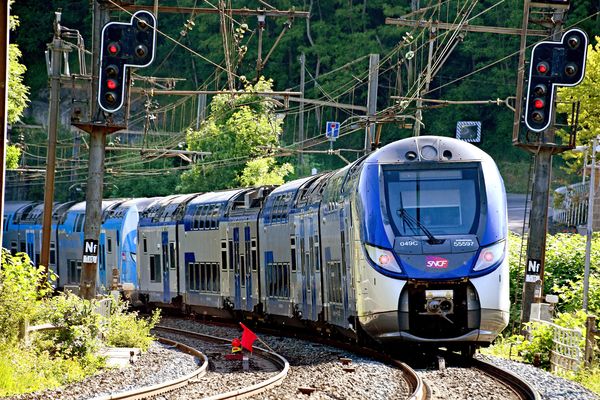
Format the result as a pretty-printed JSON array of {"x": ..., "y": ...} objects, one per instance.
[
  {"x": 216, "y": 197},
  {"x": 12, "y": 207},
  {"x": 105, "y": 204},
  {"x": 427, "y": 148},
  {"x": 292, "y": 185}
]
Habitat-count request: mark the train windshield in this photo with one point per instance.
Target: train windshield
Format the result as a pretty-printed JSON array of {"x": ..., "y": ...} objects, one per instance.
[{"x": 433, "y": 201}]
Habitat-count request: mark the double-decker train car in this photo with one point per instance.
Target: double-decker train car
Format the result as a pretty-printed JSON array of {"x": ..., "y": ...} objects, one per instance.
[{"x": 407, "y": 244}]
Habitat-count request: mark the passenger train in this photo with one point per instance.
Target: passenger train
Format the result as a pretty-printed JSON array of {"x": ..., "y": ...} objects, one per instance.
[{"x": 408, "y": 243}]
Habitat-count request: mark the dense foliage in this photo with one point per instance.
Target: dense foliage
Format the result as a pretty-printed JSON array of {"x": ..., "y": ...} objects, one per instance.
[
  {"x": 68, "y": 353},
  {"x": 240, "y": 131},
  {"x": 336, "y": 40}
]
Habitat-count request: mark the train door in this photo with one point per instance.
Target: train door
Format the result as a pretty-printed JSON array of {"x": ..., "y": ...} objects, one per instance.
[
  {"x": 246, "y": 272},
  {"x": 165, "y": 269},
  {"x": 344, "y": 263},
  {"x": 303, "y": 267},
  {"x": 314, "y": 257},
  {"x": 236, "y": 268}
]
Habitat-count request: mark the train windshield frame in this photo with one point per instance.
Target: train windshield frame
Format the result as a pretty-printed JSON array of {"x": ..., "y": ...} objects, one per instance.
[{"x": 440, "y": 199}]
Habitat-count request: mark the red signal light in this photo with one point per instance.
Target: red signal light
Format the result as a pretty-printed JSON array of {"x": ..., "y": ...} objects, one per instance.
[
  {"x": 113, "y": 48},
  {"x": 542, "y": 67},
  {"x": 538, "y": 103},
  {"x": 111, "y": 84}
]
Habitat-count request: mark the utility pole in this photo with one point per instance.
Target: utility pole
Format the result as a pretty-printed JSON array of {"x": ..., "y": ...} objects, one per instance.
[
  {"x": 95, "y": 181},
  {"x": 372, "y": 100},
  {"x": 56, "y": 51},
  {"x": 301, "y": 109},
  {"x": 4, "y": 30}
]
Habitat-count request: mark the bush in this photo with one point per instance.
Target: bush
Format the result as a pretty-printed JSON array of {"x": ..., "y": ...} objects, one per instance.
[
  {"x": 539, "y": 343},
  {"x": 79, "y": 326},
  {"x": 20, "y": 293},
  {"x": 126, "y": 329}
]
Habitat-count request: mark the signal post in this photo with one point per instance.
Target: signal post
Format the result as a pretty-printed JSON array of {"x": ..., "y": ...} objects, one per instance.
[
  {"x": 121, "y": 46},
  {"x": 559, "y": 62}
]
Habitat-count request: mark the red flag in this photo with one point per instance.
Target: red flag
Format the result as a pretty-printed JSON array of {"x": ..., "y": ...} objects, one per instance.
[{"x": 248, "y": 337}]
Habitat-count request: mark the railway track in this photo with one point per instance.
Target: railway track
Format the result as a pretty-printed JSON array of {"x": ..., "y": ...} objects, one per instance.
[
  {"x": 522, "y": 388},
  {"x": 464, "y": 378},
  {"x": 197, "y": 376}
]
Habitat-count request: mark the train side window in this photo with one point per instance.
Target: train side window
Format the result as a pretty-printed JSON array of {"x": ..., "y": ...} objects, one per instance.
[
  {"x": 52, "y": 253},
  {"x": 223, "y": 254},
  {"x": 203, "y": 278},
  {"x": 13, "y": 248},
  {"x": 242, "y": 270},
  {"x": 109, "y": 245},
  {"x": 145, "y": 245},
  {"x": 172, "y": 255},
  {"x": 79, "y": 222},
  {"x": 197, "y": 279},
  {"x": 216, "y": 278},
  {"x": 74, "y": 273},
  {"x": 23, "y": 247},
  {"x": 293, "y": 252},
  {"x": 155, "y": 268},
  {"x": 231, "y": 255},
  {"x": 317, "y": 255},
  {"x": 254, "y": 256}
]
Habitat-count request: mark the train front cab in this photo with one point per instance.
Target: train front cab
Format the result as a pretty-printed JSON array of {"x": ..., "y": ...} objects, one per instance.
[{"x": 433, "y": 268}]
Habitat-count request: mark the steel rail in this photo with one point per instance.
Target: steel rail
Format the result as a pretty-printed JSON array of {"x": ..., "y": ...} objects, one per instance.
[
  {"x": 146, "y": 391},
  {"x": 248, "y": 390},
  {"x": 414, "y": 381},
  {"x": 521, "y": 387}
]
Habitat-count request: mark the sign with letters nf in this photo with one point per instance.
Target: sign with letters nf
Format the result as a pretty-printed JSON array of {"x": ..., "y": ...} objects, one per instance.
[
  {"x": 90, "y": 251},
  {"x": 533, "y": 270}
]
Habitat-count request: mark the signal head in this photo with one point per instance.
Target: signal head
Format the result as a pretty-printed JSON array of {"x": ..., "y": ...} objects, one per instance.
[{"x": 141, "y": 51}]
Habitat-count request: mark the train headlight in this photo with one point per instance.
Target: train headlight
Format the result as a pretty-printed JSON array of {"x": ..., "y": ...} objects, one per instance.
[
  {"x": 383, "y": 258},
  {"x": 490, "y": 255}
]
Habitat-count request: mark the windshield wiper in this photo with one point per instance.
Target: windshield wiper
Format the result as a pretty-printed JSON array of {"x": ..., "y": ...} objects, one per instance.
[{"x": 412, "y": 221}]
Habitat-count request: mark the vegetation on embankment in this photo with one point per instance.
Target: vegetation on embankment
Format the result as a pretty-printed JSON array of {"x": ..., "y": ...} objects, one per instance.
[{"x": 69, "y": 353}]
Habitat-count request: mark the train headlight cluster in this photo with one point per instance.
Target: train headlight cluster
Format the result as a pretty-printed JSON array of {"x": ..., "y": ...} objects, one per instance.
[
  {"x": 490, "y": 256},
  {"x": 383, "y": 258}
]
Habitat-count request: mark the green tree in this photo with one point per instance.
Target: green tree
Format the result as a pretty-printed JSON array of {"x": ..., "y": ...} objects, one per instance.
[
  {"x": 265, "y": 171},
  {"x": 587, "y": 94},
  {"x": 18, "y": 93},
  {"x": 239, "y": 129}
]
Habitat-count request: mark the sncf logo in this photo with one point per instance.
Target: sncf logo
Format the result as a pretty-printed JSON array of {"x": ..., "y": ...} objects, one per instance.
[{"x": 436, "y": 262}]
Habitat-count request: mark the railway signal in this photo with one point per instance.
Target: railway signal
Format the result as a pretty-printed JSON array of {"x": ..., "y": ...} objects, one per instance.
[
  {"x": 553, "y": 64},
  {"x": 123, "y": 45}
]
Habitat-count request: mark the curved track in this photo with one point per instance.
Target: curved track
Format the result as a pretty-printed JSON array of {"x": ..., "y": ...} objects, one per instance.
[
  {"x": 144, "y": 392},
  {"x": 521, "y": 387}
]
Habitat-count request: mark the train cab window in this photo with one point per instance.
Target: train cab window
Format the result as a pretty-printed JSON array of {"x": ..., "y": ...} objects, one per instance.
[
  {"x": 74, "y": 271},
  {"x": 155, "y": 268},
  {"x": 172, "y": 255},
  {"x": 445, "y": 201},
  {"x": 52, "y": 253},
  {"x": 109, "y": 245}
]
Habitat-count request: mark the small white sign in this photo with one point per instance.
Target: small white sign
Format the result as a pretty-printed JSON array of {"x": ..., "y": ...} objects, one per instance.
[{"x": 532, "y": 278}]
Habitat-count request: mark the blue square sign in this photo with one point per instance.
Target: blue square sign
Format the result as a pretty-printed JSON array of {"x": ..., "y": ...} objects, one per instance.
[{"x": 333, "y": 130}]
